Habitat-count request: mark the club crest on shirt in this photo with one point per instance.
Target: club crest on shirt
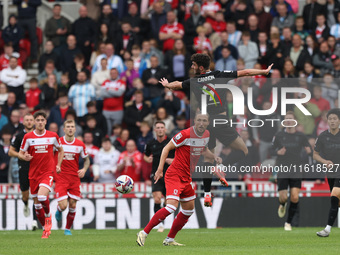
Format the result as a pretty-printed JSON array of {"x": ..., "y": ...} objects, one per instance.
[
  {"x": 175, "y": 191},
  {"x": 179, "y": 136}
]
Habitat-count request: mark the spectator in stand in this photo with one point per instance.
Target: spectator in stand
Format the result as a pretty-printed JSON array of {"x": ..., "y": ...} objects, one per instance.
[
  {"x": 84, "y": 29},
  {"x": 239, "y": 12},
  {"x": 4, "y": 158},
  {"x": 311, "y": 46},
  {"x": 99, "y": 51},
  {"x": 57, "y": 28},
  {"x": 234, "y": 36},
  {"x": 88, "y": 141},
  {"x": 116, "y": 130},
  {"x": 49, "y": 69},
  {"x": 307, "y": 121},
  {"x": 14, "y": 126},
  {"x": 253, "y": 28},
  {"x": 322, "y": 59},
  {"x": 137, "y": 84},
  {"x": 248, "y": 50},
  {"x": 64, "y": 84},
  {"x": 201, "y": 42},
  {"x": 77, "y": 66},
  {"x": 288, "y": 70},
  {"x": 162, "y": 115},
  {"x": 33, "y": 95},
  {"x": 322, "y": 125},
  {"x": 317, "y": 99},
  {"x": 178, "y": 62},
  {"x": 135, "y": 114},
  {"x": 53, "y": 127},
  {"x": 335, "y": 29},
  {"x": 180, "y": 125},
  {"x": 219, "y": 25},
  {"x": 264, "y": 17},
  {"x": 99, "y": 77},
  {"x": 13, "y": 33},
  {"x": 81, "y": 93},
  {"x": 8, "y": 52},
  {"x": 321, "y": 31},
  {"x": 139, "y": 63},
  {"x": 3, "y": 119},
  {"x": 144, "y": 137},
  {"x": 299, "y": 28},
  {"x": 225, "y": 42},
  {"x": 263, "y": 47},
  {"x": 100, "y": 119},
  {"x": 286, "y": 42},
  {"x": 170, "y": 31},
  {"x": 209, "y": 9},
  {"x": 227, "y": 62},
  {"x": 130, "y": 161},
  {"x": 136, "y": 22},
  {"x": 158, "y": 19},
  {"x": 107, "y": 17},
  {"x": 191, "y": 24},
  {"x": 150, "y": 79},
  {"x": 335, "y": 70},
  {"x": 14, "y": 77},
  {"x": 120, "y": 142},
  {"x": 92, "y": 126},
  {"x": 105, "y": 163},
  {"x": 48, "y": 93},
  {"x": 49, "y": 53},
  {"x": 334, "y": 47},
  {"x": 170, "y": 102},
  {"x": 113, "y": 61},
  {"x": 329, "y": 89},
  {"x": 154, "y": 49},
  {"x": 129, "y": 74},
  {"x": 126, "y": 39},
  {"x": 68, "y": 52},
  {"x": 309, "y": 72},
  {"x": 71, "y": 115},
  {"x": 58, "y": 112},
  {"x": 112, "y": 91},
  {"x": 103, "y": 36},
  {"x": 3, "y": 93},
  {"x": 298, "y": 54},
  {"x": 284, "y": 19},
  {"x": 27, "y": 10},
  {"x": 310, "y": 12},
  {"x": 11, "y": 104}
]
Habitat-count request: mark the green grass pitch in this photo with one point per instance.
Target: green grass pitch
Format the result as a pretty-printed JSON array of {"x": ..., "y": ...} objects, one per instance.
[{"x": 199, "y": 241}]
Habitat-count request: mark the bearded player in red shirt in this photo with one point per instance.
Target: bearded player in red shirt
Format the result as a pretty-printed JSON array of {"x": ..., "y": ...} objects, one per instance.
[
  {"x": 67, "y": 185},
  {"x": 190, "y": 144},
  {"x": 37, "y": 147}
]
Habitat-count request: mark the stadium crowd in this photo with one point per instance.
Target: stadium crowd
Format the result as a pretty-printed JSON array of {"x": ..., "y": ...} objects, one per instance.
[{"x": 103, "y": 71}]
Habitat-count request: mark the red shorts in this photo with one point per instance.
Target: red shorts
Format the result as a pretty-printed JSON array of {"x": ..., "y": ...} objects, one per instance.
[
  {"x": 67, "y": 187},
  {"x": 44, "y": 181},
  {"x": 178, "y": 189}
]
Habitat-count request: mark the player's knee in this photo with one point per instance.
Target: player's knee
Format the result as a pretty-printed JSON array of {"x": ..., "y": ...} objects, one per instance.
[
  {"x": 294, "y": 198},
  {"x": 62, "y": 206},
  {"x": 188, "y": 212},
  {"x": 171, "y": 208},
  {"x": 42, "y": 198}
]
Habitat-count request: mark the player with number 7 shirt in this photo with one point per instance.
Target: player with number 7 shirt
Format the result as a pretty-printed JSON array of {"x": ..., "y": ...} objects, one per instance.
[{"x": 38, "y": 148}]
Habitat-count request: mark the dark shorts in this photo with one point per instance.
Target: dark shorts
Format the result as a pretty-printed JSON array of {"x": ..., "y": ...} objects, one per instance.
[
  {"x": 23, "y": 179},
  {"x": 223, "y": 132},
  {"x": 159, "y": 186},
  {"x": 283, "y": 183},
  {"x": 333, "y": 182}
]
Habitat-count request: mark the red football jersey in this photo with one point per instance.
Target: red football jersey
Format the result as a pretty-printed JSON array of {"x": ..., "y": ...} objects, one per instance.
[
  {"x": 189, "y": 147},
  {"x": 92, "y": 150},
  {"x": 210, "y": 7},
  {"x": 177, "y": 28},
  {"x": 72, "y": 151},
  {"x": 41, "y": 148}
]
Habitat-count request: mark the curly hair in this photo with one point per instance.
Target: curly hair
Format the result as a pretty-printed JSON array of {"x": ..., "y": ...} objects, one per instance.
[{"x": 201, "y": 60}]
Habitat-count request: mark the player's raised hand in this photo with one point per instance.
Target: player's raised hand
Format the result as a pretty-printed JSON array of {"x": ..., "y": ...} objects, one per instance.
[
  {"x": 268, "y": 69},
  {"x": 158, "y": 175},
  {"x": 164, "y": 82},
  {"x": 81, "y": 173},
  {"x": 27, "y": 156},
  {"x": 58, "y": 169}
]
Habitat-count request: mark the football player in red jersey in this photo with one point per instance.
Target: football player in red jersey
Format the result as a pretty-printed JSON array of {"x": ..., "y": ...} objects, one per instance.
[
  {"x": 190, "y": 144},
  {"x": 67, "y": 187},
  {"x": 37, "y": 147}
]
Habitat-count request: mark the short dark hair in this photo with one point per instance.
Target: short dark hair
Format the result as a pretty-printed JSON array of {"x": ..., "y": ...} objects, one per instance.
[
  {"x": 335, "y": 111},
  {"x": 90, "y": 117},
  {"x": 62, "y": 94},
  {"x": 40, "y": 113},
  {"x": 33, "y": 80},
  {"x": 71, "y": 112},
  {"x": 181, "y": 117},
  {"x": 56, "y": 5},
  {"x": 159, "y": 122},
  {"x": 91, "y": 104},
  {"x": 201, "y": 60},
  {"x": 106, "y": 139}
]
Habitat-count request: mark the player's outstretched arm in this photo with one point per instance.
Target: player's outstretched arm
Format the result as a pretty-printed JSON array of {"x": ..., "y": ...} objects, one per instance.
[
  {"x": 165, "y": 152},
  {"x": 175, "y": 85},
  {"x": 252, "y": 72},
  {"x": 81, "y": 172},
  {"x": 318, "y": 158},
  {"x": 60, "y": 158}
]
